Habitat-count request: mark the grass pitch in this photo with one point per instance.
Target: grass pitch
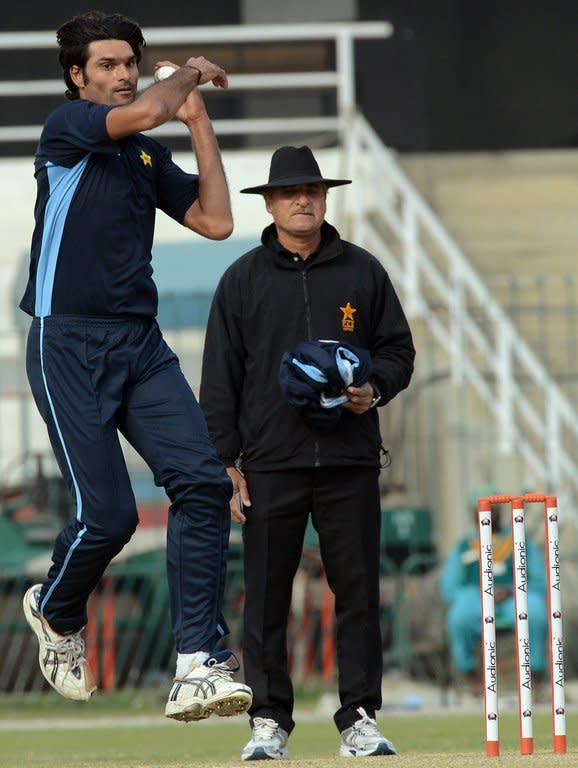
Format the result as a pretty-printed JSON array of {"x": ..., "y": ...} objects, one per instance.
[{"x": 51, "y": 733}]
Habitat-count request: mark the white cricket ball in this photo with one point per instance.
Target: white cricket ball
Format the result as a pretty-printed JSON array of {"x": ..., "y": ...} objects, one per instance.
[{"x": 163, "y": 72}]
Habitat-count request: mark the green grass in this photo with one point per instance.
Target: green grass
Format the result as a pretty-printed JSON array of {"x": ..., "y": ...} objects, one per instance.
[
  {"x": 127, "y": 703},
  {"x": 436, "y": 741},
  {"x": 146, "y": 701}
]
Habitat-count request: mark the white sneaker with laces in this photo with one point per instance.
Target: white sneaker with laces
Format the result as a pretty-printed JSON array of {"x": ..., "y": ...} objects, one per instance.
[
  {"x": 268, "y": 742},
  {"x": 209, "y": 688},
  {"x": 61, "y": 657},
  {"x": 364, "y": 739}
]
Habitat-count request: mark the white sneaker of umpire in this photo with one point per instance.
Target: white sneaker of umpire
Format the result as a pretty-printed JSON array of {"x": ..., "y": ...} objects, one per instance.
[
  {"x": 207, "y": 689},
  {"x": 61, "y": 657},
  {"x": 364, "y": 739},
  {"x": 268, "y": 742}
]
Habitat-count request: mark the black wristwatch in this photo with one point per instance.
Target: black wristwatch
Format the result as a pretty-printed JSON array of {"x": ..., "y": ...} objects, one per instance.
[{"x": 376, "y": 396}]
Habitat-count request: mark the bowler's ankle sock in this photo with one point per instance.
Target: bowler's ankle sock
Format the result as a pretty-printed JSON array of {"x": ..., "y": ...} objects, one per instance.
[{"x": 186, "y": 661}]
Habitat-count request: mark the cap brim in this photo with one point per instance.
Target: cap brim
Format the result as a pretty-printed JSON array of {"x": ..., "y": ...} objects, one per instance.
[{"x": 293, "y": 183}]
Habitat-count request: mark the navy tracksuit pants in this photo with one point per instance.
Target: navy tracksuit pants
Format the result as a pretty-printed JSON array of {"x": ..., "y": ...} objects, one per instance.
[{"x": 93, "y": 378}]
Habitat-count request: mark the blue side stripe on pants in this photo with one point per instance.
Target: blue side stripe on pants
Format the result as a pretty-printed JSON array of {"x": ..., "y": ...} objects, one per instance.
[{"x": 76, "y": 488}]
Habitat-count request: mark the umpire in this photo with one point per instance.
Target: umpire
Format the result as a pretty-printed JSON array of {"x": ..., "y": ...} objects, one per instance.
[{"x": 304, "y": 283}]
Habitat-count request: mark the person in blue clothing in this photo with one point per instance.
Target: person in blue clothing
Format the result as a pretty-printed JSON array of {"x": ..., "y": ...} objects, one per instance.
[
  {"x": 460, "y": 590},
  {"x": 97, "y": 362}
]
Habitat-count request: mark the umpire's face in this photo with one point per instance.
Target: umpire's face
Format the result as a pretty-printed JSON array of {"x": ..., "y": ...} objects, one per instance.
[{"x": 299, "y": 210}]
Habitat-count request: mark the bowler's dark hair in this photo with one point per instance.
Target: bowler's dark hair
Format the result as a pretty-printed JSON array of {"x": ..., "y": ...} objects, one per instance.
[{"x": 75, "y": 36}]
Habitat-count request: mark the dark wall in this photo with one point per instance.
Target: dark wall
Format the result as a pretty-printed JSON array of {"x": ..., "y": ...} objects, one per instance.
[
  {"x": 465, "y": 74},
  {"x": 49, "y": 14}
]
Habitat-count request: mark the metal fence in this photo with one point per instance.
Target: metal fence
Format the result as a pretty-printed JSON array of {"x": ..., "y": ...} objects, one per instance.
[{"x": 128, "y": 636}]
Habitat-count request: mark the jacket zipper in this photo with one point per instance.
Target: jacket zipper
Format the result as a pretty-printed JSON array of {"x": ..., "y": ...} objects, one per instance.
[{"x": 316, "y": 462}]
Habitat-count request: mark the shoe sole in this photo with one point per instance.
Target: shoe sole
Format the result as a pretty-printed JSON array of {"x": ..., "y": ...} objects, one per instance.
[
  {"x": 259, "y": 753},
  {"x": 197, "y": 710},
  {"x": 35, "y": 624},
  {"x": 381, "y": 749}
]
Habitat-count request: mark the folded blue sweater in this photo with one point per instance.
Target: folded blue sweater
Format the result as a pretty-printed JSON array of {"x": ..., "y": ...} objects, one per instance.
[{"x": 314, "y": 374}]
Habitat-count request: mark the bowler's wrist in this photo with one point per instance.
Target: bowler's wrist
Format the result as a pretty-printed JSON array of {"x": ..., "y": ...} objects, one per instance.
[{"x": 196, "y": 70}]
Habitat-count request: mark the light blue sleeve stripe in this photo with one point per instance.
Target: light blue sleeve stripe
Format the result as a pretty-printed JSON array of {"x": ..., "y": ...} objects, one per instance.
[
  {"x": 332, "y": 402},
  {"x": 347, "y": 362},
  {"x": 311, "y": 370},
  {"x": 62, "y": 183}
]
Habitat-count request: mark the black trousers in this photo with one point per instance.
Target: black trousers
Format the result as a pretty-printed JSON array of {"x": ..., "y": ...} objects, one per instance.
[{"x": 345, "y": 507}]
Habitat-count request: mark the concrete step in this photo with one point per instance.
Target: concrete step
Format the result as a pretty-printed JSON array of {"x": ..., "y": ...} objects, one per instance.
[{"x": 514, "y": 215}]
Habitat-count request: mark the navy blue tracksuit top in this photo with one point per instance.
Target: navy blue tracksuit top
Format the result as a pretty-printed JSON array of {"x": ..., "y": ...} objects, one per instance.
[{"x": 95, "y": 216}]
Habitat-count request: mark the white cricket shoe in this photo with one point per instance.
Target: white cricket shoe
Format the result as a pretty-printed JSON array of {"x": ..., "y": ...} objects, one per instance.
[
  {"x": 364, "y": 739},
  {"x": 268, "y": 742},
  {"x": 209, "y": 688},
  {"x": 61, "y": 657}
]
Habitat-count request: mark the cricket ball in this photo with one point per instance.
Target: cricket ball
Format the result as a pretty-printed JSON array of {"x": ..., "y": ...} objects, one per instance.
[{"x": 163, "y": 72}]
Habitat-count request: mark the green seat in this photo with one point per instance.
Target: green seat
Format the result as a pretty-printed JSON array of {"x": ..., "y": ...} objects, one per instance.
[{"x": 407, "y": 531}]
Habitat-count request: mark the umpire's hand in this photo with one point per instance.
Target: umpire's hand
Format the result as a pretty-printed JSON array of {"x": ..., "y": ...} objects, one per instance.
[
  {"x": 240, "y": 496},
  {"x": 360, "y": 398}
]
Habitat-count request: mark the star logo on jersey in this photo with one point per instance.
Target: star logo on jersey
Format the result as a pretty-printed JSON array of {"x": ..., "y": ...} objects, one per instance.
[
  {"x": 348, "y": 320},
  {"x": 146, "y": 158}
]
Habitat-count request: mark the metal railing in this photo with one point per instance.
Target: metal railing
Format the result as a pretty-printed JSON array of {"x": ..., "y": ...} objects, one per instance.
[
  {"x": 340, "y": 79},
  {"x": 387, "y": 215}
]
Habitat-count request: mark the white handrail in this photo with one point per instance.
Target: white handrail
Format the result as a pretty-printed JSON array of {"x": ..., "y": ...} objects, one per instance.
[
  {"x": 242, "y": 33},
  {"x": 251, "y": 126},
  {"x": 261, "y": 82}
]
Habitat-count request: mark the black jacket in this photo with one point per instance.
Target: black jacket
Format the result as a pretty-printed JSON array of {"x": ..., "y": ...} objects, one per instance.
[{"x": 266, "y": 302}]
